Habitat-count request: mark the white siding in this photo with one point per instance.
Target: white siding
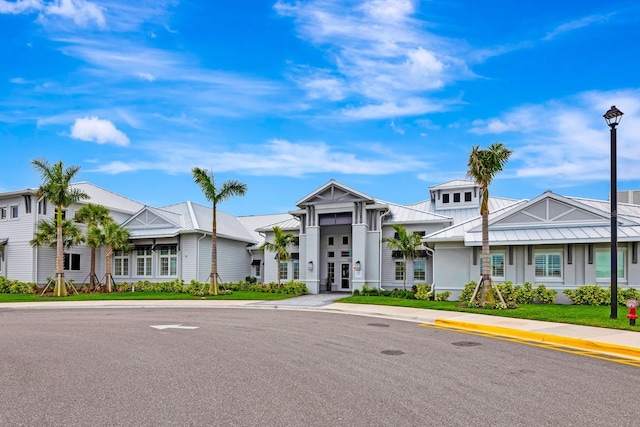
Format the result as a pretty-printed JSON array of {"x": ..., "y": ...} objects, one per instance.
[
  {"x": 234, "y": 261},
  {"x": 19, "y": 258}
]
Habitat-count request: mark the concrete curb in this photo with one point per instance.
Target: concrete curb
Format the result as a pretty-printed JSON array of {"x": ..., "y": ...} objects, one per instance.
[{"x": 580, "y": 343}]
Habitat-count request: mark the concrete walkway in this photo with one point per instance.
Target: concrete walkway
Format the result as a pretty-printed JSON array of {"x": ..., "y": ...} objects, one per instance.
[{"x": 612, "y": 341}]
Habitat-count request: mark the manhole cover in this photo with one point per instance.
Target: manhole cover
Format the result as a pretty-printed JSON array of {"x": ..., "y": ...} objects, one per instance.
[
  {"x": 466, "y": 343},
  {"x": 392, "y": 352},
  {"x": 380, "y": 325}
]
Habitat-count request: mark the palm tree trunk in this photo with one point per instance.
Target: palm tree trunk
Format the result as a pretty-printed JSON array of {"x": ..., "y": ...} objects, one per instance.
[
  {"x": 92, "y": 268},
  {"x": 108, "y": 254},
  {"x": 59, "y": 290},
  {"x": 486, "y": 261},
  {"x": 404, "y": 274},
  {"x": 214, "y": 255}
]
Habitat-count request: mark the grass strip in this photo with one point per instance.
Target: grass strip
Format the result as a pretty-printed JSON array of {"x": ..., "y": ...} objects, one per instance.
[{"x": 571, "y": 314}]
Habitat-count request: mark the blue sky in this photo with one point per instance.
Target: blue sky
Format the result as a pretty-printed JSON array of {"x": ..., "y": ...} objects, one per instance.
[{"x": 387, "y": 97}]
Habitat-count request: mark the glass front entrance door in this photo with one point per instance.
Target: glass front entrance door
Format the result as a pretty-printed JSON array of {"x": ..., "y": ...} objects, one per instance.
[{"x": 344, "y": 276}]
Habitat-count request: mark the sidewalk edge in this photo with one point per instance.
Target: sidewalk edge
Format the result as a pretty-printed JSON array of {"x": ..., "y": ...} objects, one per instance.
[{"x": 582, "y": 343}]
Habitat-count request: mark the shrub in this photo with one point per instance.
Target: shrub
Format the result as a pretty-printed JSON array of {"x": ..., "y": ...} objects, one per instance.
[
  {"x": 626, "y": 294},
  {"x": 356, "y": 292},
  {"x": 525, "y": 293},
  {"x": 467, "y": 292},
  {"x": 443, "y": 296},
  {"x": 8, "y": 286},
  {"x": 423, "y": 292},
  {"x": 544, "y": 295},
  {"x": 589, "y": 295}
]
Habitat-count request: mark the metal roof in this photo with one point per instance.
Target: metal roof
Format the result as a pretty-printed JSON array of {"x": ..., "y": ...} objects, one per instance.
[
  {"x": 455, "y": 183},
  {"x": 109, "y": 199},
  {"x": 256, "y": 223},
  {"x": 592, "y": 229}
]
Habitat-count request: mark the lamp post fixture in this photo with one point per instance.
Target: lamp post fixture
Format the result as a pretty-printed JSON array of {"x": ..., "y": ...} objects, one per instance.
[{"x": 613, "y": 117}]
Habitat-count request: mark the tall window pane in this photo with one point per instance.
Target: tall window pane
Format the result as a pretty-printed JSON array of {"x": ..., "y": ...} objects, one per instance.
[
  {"x": 603, "y": 265},
  {"x": 399, "y": 270},
  {"x": 497, "y": 265},
  {"x": 419, "y": 270}
]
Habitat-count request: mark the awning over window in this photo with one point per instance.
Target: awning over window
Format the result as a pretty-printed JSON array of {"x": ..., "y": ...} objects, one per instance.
[{"x": 255, "y": 262}]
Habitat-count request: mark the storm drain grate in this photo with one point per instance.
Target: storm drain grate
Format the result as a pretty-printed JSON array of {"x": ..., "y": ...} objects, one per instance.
[
  {"x": 392, "y": 352},
  {"x": 379, "y": 325},
  {"x": 466, "y": 343}
]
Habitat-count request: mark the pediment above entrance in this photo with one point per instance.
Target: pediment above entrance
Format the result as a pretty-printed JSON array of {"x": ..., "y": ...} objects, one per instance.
[{"x": 334, "y": 193}]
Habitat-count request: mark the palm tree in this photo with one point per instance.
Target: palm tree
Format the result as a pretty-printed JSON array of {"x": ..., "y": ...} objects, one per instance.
[
  {"x": 483, "y": 166},
  {"x": 47, "y": 234},
  {"x": 216, "y": 195},
  {"x": 407, "y": 244},
  {"x": 116, "y": 238},
  {"x": 56, "y": 188},
  {"x": 281, "y": 241},
  {"x": 93, "y": 216}
]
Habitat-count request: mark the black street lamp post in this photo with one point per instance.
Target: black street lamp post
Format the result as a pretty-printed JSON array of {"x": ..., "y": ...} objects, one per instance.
[{"x": 613, "y": 117}]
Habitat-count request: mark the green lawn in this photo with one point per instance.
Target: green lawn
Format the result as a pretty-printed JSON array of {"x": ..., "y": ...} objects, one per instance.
[
  {"x": 573, "y": 314},
  {"x": 142, "y": 296}
]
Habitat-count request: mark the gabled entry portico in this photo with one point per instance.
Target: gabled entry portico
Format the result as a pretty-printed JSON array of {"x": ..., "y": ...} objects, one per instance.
[{"x": 340, "y": 238}]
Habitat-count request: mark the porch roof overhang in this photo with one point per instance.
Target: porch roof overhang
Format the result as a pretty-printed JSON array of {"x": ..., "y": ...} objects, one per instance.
[{"x": 553, "y": 235}]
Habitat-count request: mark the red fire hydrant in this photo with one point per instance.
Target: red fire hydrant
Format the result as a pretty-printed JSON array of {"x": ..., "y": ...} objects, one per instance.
[{"x": 632, "y": 316}]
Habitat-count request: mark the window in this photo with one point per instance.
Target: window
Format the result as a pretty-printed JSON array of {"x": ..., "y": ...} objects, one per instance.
[
  {"x": 456, "y": 197},
  {"x": 296, "y": 241},
  {"x": 257, "y": 271},
  {"x": 168, "y": 260},
  {"x": 345, "y": 240},
  {"x": 549, "y": 265},
  {"x": 143, "y": 260},
  {"x": 3, "y": 213},
  {"x": 284, "y": 270},
  {"x": 419, "y": 270},
  {"x": 399, "y": 270},
  {"x": 331, "y": 271},
  {"x": 330, "y": 241},
  {"x": 72, "y": 262},
  {"x": 120, "y": 263},
  {"x": 296, "y": 270},
  {"x": 445, "y": 198},
  {"x": 330, "y": 254},
  {"x": 345, "y": 254},
  {"x": 497, "y": 265},
  {"x": 42, "y": 207},
  {"x": 467, "y": 196},
  {"x": 603, "y": 265},
  {"x": 14, "y": 211}
]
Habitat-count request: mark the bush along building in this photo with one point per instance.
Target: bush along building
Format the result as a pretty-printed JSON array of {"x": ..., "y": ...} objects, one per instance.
[{"x": 561, "y": 242}]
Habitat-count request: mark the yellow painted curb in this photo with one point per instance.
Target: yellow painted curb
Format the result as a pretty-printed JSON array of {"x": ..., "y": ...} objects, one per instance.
[{"x": 541, "y": 337}]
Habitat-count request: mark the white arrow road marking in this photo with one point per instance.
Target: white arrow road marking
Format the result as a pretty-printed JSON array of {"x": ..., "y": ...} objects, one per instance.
[{"x": 173, "y": 327}]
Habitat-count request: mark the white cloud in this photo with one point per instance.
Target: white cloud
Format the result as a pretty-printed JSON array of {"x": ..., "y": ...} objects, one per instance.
[
  {"x": 575, "y": 25},
  {"x": 18, "y": 81},
  {"x": 98, "y": 130},
  {"x": 371, "y": 44},
  {"x": 408, "y": 107},
  {"x": 81, "y": 12},
  {"x": 20, "y": 6},
  {"x": 276, "y": 157},
  {"x": 567, "y": 140},
  {"x": 146, "y": 76}
]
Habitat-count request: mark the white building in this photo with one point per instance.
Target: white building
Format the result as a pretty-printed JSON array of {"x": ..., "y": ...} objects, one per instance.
[{"x": 558, "y": 241}]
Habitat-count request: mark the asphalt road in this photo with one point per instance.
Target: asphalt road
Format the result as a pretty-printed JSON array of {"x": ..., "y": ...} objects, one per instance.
[{"x": 247, "y": 367}]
